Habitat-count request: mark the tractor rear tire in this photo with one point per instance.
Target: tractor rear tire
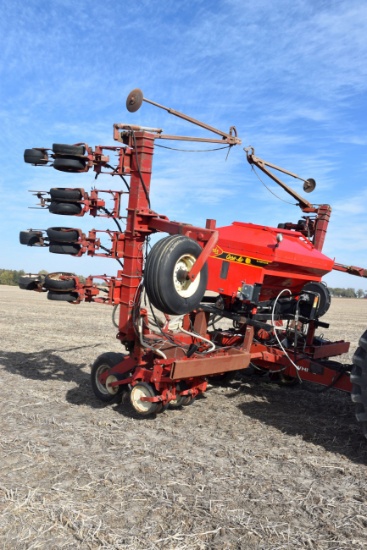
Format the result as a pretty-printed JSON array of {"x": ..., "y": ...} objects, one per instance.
[
  {"x": 63, "y": 193},
  {"x": 358, "y": 378},
  {"x": 53, "y": 281},
  {"x": 65, "y": 208},
  {"x": 63, "y": 234},
  {"x": 62, "y": 149},
  {"x": 104, "y": 363},
  {"x": 164, "y": 275},
  {"x": 69, "y": 164}
]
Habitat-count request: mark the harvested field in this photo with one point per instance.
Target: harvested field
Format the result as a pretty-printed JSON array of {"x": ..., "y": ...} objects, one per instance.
[{"x": 251, "y": 466}]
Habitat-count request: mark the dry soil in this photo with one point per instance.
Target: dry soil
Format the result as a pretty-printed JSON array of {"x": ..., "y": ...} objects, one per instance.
[{"x": 253, "y": 465}]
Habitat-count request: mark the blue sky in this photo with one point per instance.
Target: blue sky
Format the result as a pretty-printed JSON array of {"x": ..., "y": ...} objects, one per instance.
[{"x": 291, "y": 76}]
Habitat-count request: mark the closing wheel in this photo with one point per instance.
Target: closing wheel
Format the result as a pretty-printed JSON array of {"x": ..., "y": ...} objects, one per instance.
[
  {"x": 54, "y": 281},
  {"x": 181, "y": 400},
  {"x": 61, "y": 148},
  {"x": 35, "y": 156},
  {"x": 358, "y": 378},
  {"x": 64, "y": 193},
  {"x": 166, "y": 270},
  {"x": 102, "y": 390},
  {"x": 145, "y": 408},
  {"x": 61, "y": 296},
  {"x": 30, "y": 281},
  {"x": 71, "y": 248},
  {"x": 30, "y": 238},
  {"x": 69, "y": 164},
  {"x": 63, "y": 234},
  {"x": 65, "y": 208},
  {"x": 283, "y": 379}
]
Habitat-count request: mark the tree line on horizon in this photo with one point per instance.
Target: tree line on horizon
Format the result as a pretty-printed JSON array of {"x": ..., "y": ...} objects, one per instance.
[{"x": 11, "y": 277}]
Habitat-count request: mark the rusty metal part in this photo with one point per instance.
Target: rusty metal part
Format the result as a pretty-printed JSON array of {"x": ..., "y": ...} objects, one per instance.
[
  {"x": 309, "y": 185},
  {"x": 134, "y": 102},
  {"x": 262, "y": 164},
  {"x": 351, "y": 269}
]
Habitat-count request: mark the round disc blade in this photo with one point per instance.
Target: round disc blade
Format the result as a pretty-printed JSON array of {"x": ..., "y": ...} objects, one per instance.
[
  {"x": 309, "y": 185},
  {"x": 134, "y": 100}
]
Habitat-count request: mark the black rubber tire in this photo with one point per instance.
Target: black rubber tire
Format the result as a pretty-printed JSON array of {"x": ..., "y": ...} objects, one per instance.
[
  {"x": 151, "y": 265},
  {"x": 30, "y": 238},
  {"x": 325, "y": 297},
  {"x": 71, "y": 248},
  {"x": 53, "y": 282},
  {"x": 222, "y": 379},
  {"x": 34, "y": 156},
  {"x": 101, "y": 364},
  {"x": 65, "y": 208},
  {"x": 181, "y": 400},
  {"x": 69, "y": 164},
  {"x": 62, "y": 296},
  {"x": 160, "y": 275},
  {"x": 62, "y": 234},
  {"x": 29, "y": 282},
  {"x": 64, "y": 193},
  {"x": 358, "y": 378},
  {"x": 63, "y": 149}
]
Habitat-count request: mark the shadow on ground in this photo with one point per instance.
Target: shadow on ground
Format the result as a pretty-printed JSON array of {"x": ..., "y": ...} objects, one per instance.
[
  {"x": 325, "y": 418},
  {"x": 48, "y": 365}
]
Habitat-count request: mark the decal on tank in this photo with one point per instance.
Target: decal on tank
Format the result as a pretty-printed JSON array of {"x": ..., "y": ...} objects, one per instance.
[{"x": 220, "y": 254}]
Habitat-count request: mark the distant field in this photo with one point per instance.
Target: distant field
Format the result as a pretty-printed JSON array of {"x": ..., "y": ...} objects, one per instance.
[{"x": 250, "y": 466}]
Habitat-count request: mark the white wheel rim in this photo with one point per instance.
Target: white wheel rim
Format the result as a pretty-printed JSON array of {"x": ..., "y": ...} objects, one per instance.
[
  {"x": 185, "y": 288},
  {"x": 112, "y": 390},
  {"x": 136, "y": 394},
  {"x": 101, "y": 387}
]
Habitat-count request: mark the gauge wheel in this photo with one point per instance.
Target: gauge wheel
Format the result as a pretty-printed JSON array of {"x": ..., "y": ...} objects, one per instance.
[
  {"x": 54, "y": 281},
  {"x": 64, "y": 193},
  {"x": 65, "y": 208},
  {"x": 35, "y": 156},
  {"x": 60, "y": 296},
  {"x": 62, "y": 149},
  {"x": 69, "y": 164},
  {"x": 144, "y": 408},
  {"x": 103, "y": 364},
  {"x": 30, "y": 238},
  {"x": 71, "y": 248},
  {"x": 358, "y": 378},
  {"x": 166, "y": 269},
  {"x": 63, "y": 234}
]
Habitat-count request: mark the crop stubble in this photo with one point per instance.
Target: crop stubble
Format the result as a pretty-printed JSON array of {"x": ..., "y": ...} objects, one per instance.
[{"x": 252, "y": 465}]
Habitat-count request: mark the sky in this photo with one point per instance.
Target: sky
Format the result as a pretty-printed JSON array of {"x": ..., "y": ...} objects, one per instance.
[{"x": 290, "y": 75}]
